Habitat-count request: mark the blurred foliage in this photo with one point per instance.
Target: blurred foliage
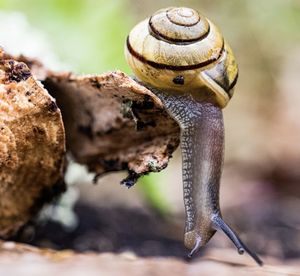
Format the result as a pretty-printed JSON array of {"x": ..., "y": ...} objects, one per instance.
[
  {"x": 88, "y": 35},
  {"x": 151, "y": 185}
]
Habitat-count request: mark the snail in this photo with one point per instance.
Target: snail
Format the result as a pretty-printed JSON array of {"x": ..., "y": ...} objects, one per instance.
[{"x": 183, "y": 58}]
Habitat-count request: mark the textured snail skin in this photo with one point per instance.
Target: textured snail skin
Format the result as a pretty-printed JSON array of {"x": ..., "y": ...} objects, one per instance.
[
  {"x": 202, "y": 143},
  {"x": 183, "y": 58}
]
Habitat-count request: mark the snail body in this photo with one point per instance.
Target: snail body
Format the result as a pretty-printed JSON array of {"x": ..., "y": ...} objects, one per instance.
[{"x": 183, "y": 58}]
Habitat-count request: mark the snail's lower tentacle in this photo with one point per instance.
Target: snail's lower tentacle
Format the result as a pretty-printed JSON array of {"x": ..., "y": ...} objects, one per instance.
[
  {"x": 196, "y": 248},
  {"x": 219, "y": 223}
]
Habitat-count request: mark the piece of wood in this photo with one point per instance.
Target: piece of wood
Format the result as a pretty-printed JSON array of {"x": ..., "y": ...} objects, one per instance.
[
  {"x": 32, "y": 146},
  {"x": 113, "y": 123}
]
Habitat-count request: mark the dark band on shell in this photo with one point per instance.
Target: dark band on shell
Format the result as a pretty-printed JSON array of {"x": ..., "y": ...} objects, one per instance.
[
  {"x": 180, "y": 26},
  {"x": 154, "y": 32},
  {"x": 173, "y": 67},
  {"x": 170, "y": 17},
  {"x": 234, "y": 82},
  {"x": 227, "y": 87}
]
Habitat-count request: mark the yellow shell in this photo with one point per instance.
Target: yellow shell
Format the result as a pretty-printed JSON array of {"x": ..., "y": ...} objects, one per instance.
[{"x": 180, "y": 51}]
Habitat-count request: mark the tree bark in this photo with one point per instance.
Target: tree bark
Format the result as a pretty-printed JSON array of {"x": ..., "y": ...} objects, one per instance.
[{"x": 114, "y": 123}]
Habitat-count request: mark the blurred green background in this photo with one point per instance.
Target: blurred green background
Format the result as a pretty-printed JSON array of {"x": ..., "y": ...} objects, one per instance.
[
  {"x": 89, "y": 34},
  {"x": 88, "y": 37}
]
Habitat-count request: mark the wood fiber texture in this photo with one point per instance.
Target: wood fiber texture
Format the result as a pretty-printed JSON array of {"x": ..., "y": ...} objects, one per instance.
[
  {"x": 113, "y": 123},
  {"x": 32, "y": 145}
]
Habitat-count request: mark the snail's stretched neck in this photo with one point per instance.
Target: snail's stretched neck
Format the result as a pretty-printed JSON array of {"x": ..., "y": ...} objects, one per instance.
[
  {"x": 202, "y": 139},
  {"x": 202, "y": 143}
]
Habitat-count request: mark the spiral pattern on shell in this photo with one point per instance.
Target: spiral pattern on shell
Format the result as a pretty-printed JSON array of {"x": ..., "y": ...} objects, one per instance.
[{"x": 178, "y": 49}]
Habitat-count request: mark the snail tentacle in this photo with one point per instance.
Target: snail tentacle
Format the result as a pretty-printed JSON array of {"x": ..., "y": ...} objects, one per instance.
[
  {"x": 196, "y": 248},
  {"x": 219, "y": 223}
]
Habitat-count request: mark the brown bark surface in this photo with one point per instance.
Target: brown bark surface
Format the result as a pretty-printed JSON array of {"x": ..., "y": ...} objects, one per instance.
[
  {"x": 113, "y": 123},
  {"x": 32, "y": 145}
]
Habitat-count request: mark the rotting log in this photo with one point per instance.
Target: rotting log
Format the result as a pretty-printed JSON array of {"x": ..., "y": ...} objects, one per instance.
[
  {"x": 111, "y": 122},
  {"x": 32, "y": 146}
]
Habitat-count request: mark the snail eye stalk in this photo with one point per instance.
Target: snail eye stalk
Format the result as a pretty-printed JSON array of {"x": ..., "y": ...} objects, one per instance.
[{"x": 219, "y": 223}]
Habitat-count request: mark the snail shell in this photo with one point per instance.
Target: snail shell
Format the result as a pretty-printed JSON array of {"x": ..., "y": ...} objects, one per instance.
[{"x": 179, "y": 50}]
